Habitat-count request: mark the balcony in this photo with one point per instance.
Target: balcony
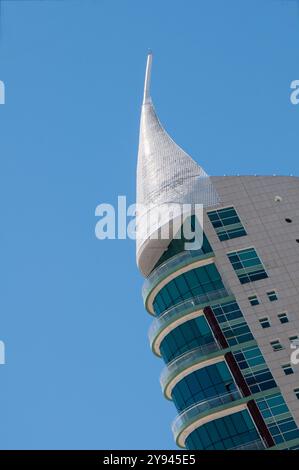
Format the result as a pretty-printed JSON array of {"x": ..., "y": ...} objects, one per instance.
[
  {"x": 171, "y": 265},
  {"x": 184, "y": 362},
  {"x": 195, "y": 412},
  {"x": 183, "y": 308}
]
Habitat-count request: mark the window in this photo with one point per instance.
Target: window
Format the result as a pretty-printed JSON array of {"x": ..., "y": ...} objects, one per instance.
[
  {"x": 288, "y": 370},
  {"x": 283, "y": 318},
  {"x": 254, "y": 369},
  {"x": 192, "y": 334},
  {"x": 200, "y": 282},
  {"x": 272, "y": 296},
  {"x": 177, "y": 245},
  {"x": 253, "y": 300},
  {"x": 296, "y": 391},
  {"x": 294, "y": 340},
  {"x": 265, "y": 323},
  {"x": 277, "y": 418},
  {"x": 232, "y": 323},
  {"x": 226, "y": 223},
  {"x": 247, "y": 265},
  {"x": 229, "y": 432},
  {"x": 208, "y": 382},
  {"x": 276, "y": 345}
]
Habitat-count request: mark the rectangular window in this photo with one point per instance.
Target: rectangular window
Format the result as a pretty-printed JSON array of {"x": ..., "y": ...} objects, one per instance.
[
  {"x": 288, "y": 370},
  {"x": 272, "y": 296},
  {"x": 283, "y": 318},
  {"x": 254, "y": 369},
  {"x": 232, "y": 323},
  {"x": 227, "y": 223},
  {"x": 294, "y": 340},
  {"x": 265, "y": 323},
  {"x": 276, "y": 345},
  {"x": 296, "y": 391},
  {"x": 277, "y": 418},
  {"x": 247, "y": 265},
  {"x": 253, "y": 300}
]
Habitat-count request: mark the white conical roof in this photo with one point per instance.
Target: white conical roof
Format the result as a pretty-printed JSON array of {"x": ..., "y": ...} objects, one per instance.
[{"x": 165, "y": 174}]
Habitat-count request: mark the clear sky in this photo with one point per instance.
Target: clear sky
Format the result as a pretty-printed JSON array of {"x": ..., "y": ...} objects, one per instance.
[{"x": 80, "y": 373}]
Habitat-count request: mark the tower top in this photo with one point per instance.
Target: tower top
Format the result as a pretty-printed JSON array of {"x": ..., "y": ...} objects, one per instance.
[{"x": 165, "y": 175}]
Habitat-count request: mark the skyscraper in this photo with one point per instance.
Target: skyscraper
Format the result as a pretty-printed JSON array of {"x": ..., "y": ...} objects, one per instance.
[{"x": 224, "y": 315}]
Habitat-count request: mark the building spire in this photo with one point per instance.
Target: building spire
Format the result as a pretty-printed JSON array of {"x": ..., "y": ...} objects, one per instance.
[
  {"x": 147, "y": 81},
  {"x": 165, "y": 175}
]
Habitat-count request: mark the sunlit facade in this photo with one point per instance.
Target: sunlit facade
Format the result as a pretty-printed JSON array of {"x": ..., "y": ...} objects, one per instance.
[{"x": 224, "y": 315}]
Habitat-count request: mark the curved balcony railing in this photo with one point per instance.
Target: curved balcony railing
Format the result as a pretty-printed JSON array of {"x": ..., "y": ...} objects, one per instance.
[
  {"x": 186, "y": 306},
  {"x": 252, "y": 445},
  {"x": 193, "y": 412},
  {"x": 184, "y": 361},
  {"x": 171, "y": 265}
]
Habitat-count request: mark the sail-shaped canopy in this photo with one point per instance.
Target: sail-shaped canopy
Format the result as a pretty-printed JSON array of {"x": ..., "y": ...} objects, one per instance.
[{"x": 165, "y": 175}]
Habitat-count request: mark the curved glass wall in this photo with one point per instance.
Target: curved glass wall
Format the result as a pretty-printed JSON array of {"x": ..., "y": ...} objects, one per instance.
[
  {"x": 185, "y": 362},
  {"x": 208, "y": 382},
  {"x": 229, "y": 432},
  {"x": 170, "y": 266},
  {"x": 193, "y": 283},
  {"x": 186, "y": 307},
  {"x": 199, "y": 410},
  {"x": 212, "y": 387},
  {"x": 177, "y": 245},
  {"x": 189, "y": 335}
]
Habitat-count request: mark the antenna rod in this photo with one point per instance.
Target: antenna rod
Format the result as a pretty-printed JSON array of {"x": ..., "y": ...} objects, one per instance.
[{"x": 147, "y": 82}]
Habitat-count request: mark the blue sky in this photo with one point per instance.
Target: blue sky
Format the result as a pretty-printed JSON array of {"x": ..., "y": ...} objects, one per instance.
[{"x": 79, "y": 370}]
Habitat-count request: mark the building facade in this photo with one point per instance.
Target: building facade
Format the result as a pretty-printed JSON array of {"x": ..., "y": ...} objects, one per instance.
[{"x": 225, "y": 315}]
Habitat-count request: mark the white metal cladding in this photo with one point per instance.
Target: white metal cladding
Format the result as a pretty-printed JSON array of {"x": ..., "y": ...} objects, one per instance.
[{"x": 165, "y": 173}]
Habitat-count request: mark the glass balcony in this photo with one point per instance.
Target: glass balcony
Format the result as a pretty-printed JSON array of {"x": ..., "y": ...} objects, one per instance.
[
  {"x": 171, "y": 265},
  {"x": 193, "y": 412},
  {"x": 253, "y": 445},
  {"x": 185, "y": 361},
  {"x": 183, "y": 308}
]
